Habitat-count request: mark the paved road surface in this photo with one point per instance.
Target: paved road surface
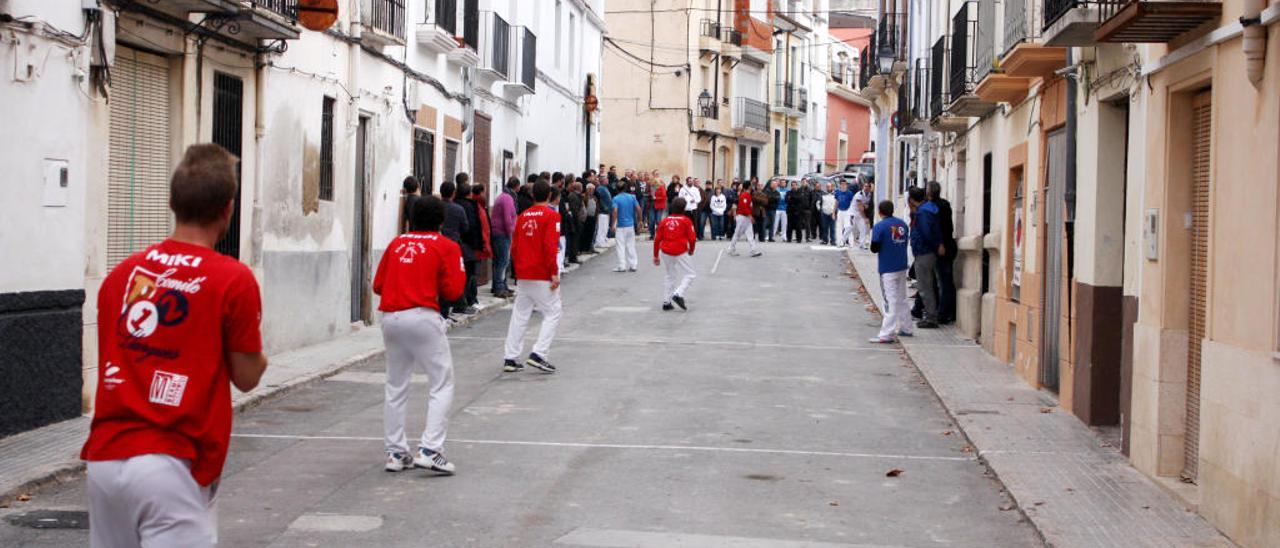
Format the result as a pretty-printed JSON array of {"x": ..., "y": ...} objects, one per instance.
[{"x": 760, "y": 418}]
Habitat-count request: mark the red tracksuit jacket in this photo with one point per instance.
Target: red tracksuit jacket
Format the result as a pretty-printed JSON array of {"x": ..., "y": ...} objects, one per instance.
[
  {"x": 674, "y": 236},
  {"x": 418, "y": 269},
  {"x": 535, "y": 244}
]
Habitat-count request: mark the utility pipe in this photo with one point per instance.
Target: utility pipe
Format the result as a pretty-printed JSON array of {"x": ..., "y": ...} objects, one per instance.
[{"x": 1255, "y": 40}]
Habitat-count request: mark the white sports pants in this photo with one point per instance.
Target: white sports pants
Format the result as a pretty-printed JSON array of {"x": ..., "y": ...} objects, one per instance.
[
  {"x": 416, "y": 341},
  {"x": 626, "y": 244},
  {"x": 780, "y": 223},
  {"x": 863, "y": 230},
  {"x": 679, "y": 275},
  {"x": 602, "y": 229},
  {"x": 897, "y": 315},
  {"x": 149, "y": 500},
  {"x": 742, "y": 231},
  {"x": 843, "y": 230},
  {"x": 533, "y": 295}
]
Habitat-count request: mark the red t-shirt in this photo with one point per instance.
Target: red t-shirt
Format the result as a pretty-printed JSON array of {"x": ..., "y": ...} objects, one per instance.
[
  {"x": 167, "y": 318},
  {"x": 417, "y": 269},
  {"x": 535, "y": 245},
  {"x": 744, "y": 203},
  {"x": 675, "y": 236}
]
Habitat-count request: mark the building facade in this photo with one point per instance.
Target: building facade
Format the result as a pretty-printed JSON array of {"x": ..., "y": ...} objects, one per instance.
[
  {"x": 849, "y": 123},
  {"x": 1103, "y": 160},
  {"x": 327, "y": 125},
  {"x": 686, "y": 87}
]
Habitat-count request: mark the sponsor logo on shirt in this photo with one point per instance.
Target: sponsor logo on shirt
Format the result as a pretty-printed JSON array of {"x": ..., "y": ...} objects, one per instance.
[
  {"x": 167, "y": 388},
  {"x": 408, "y": 251},
  {"x": 174, "y": 260},
  {"x": 109, "y": 378}
]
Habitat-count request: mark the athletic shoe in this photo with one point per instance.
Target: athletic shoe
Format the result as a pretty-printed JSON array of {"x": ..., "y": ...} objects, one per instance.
[
  {"x": 666, "y": 307},
  {"x": 511, "y": 366},
  {"x": 535, "y": 361},
  {"x": 619, "y": 270},
  {"x": 879, "y": 340},
  {"x": 757, "y": 253},
  {"x": 733, "y": 253},
  {"x": 470, "y": 311},
  {"x": 906, "y": 334},
  {"x": 925, "y": 324},
  {"x": 398, "y": 461},
  {"x": 632, "y": 269},
  {"x": 433, "y": 461},
  {"x": 679, "y": 302}
]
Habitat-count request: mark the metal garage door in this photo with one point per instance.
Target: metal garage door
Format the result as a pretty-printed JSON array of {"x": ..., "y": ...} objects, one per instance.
[
  {"x": 1201, "y": 124},
  {"x": 140, "y": 140}
]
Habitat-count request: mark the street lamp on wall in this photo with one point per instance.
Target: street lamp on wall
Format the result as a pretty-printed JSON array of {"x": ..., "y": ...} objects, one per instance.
[
  {"x": 885, "y": 57},
  {"x": 705, "y": 103}
]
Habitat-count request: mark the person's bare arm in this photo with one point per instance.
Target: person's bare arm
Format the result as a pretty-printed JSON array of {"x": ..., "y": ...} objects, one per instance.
[{"x": 246, "y": 369}]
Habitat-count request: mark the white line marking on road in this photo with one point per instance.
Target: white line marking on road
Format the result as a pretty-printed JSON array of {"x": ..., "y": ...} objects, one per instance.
[
  {"x": 621, "y": 538},
  {"x": 743, "y": 344},
  {"x": 642, "y": 447},
  {"x": 622, "y": 309},
  {"x": 823, "y": 248},
  {"x": 335, "y": 523},
  {"x": 716, "y": 266}
]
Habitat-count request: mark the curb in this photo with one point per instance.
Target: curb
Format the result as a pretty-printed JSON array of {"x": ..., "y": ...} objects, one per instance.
[{"x": 73, "y": 470}]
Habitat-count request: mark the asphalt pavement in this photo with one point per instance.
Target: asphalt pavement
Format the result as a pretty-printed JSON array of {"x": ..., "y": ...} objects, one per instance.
[{"x": 760, "y": 417}]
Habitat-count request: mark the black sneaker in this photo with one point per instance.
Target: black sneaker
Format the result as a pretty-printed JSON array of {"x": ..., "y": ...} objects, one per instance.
[
  {"x": 679, "y": 302},
  {"x": 757, "y": 253},
  {"x": 926, "y": 324},
  {"x": 511, "y": 366},
  {"x": 666, "y": 307},
  {"x": 535, "y": 361}
]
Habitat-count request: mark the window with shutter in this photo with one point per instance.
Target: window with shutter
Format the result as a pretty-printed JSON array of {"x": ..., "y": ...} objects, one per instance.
[{"x": 140, "y": 156}]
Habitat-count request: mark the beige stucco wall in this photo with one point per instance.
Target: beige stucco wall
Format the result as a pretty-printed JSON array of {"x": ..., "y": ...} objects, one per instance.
[{"x": 1239, "y": 459}]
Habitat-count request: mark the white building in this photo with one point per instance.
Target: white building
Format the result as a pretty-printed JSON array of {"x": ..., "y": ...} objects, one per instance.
[{"x": 102, "y": 102}]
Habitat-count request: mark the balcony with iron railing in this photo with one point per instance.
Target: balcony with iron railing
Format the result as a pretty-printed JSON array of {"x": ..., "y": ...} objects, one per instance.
[
  {"x": 937, "y": 79},
  {"x": 996, "y": 86},
  {"x": 268, "y": 20},
  {"x": 468, "y": 52},
  {"x": 709, "y": 36},
  {"x": 495, "y": 47},
  {"x": 1149, "y": 21},
  {"x": 792, "y": 16},
  {"x": 383, "y": 22},
  {"x": 525, "y": 44},
  {"x": 438, "y": 31},
  {"x": 750, "y": 119},
  {"x": 786, "y": 99},
  {"x": 1023, "y": 54},
  {"x": 802, "y": 98}
]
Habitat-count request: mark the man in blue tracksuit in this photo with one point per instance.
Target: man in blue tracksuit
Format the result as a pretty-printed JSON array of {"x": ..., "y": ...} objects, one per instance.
[
  {"x": 604, "y": 212},
  {"x": 844, "y": 212},
  {"x": 926, "y": 246},
  {"x": 780, "y": 216}
]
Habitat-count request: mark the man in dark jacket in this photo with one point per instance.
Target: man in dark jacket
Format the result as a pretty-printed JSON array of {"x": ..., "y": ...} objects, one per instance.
[
  {"x": 946, "y": 262},
  {"x": 771, "y": 209},
  {"x": 795, "y": 213},
  {"x": 926, "y": 245},
  {"x": 455, "y": 224},
  {"x": 472, "y": 240}
]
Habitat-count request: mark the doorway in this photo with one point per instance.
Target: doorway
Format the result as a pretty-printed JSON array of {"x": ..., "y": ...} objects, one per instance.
[
  {"x": 360, "y": 299},
  {"x": 1051, "y": 296},
  {"x": 1201, "y": 125},
  {"x": 228, "y": 119}
]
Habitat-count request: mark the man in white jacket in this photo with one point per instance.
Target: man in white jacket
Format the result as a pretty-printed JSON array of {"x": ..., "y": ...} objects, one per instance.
[{"x": 692, "y": 197}]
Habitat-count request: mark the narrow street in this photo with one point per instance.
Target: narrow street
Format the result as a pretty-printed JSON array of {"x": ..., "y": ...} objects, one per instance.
[{"x": 761, "y": 417}]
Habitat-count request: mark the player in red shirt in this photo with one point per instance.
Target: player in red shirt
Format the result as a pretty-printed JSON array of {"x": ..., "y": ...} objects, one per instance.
[
  {"x": 535, "y": 246},
  {"x": 742, "y": 230},
  {"x": 417, "y": 272},
  {"x": 675, "y": 241},
  {"x": 178, "y": 324}
]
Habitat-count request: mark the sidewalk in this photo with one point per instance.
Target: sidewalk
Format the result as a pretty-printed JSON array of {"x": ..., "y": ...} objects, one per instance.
[
  {"x": 51, "y": 454},
  {"x": 1075, "y": 489}
]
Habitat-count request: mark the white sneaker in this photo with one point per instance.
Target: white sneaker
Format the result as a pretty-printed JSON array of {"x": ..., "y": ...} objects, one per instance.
[
  {"x": 434, "y": 461},
  {"x": 398, "y": 461},
  {"x": 878, "y": 340}
]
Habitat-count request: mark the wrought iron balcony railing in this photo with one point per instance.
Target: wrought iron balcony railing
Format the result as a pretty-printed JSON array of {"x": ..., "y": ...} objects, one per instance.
[
  {"x": 786, "y": 96},
  {"x": 529, "y": 59},
  {"x": 710, "y": 29},
  {"x": 751, "y": 114},
  {"x": 386, "y": 16},
  {"x": 731, "y": 35},
  {"x": 802, "y": 97},
  {"x": 444, "y": 14},
  {"x": 937, "y": 79},
  {"x": 984, "y": 54},
  {"x": 287, "y": 8},
  {"x": 471, "y": 24},
  {"x": 1018, "y": 26},
  {"x": 710, "y": 112},
  {"x": 964, "y": 26}
]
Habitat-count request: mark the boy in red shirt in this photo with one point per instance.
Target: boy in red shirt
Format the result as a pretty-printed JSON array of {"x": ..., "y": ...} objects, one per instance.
[
  {"x": 178, "y": 324},
  {"x": 675, "y": 241},
  {"x": 742, "y": 230},
  {"x": 535, "y": 246},
  {"x": 418, "y": 271}
]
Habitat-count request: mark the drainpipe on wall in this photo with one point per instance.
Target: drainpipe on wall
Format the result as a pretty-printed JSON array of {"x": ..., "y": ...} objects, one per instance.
[
  {"x": 1255, "y": 40},
  {"x": 1069, "y": 196}
]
